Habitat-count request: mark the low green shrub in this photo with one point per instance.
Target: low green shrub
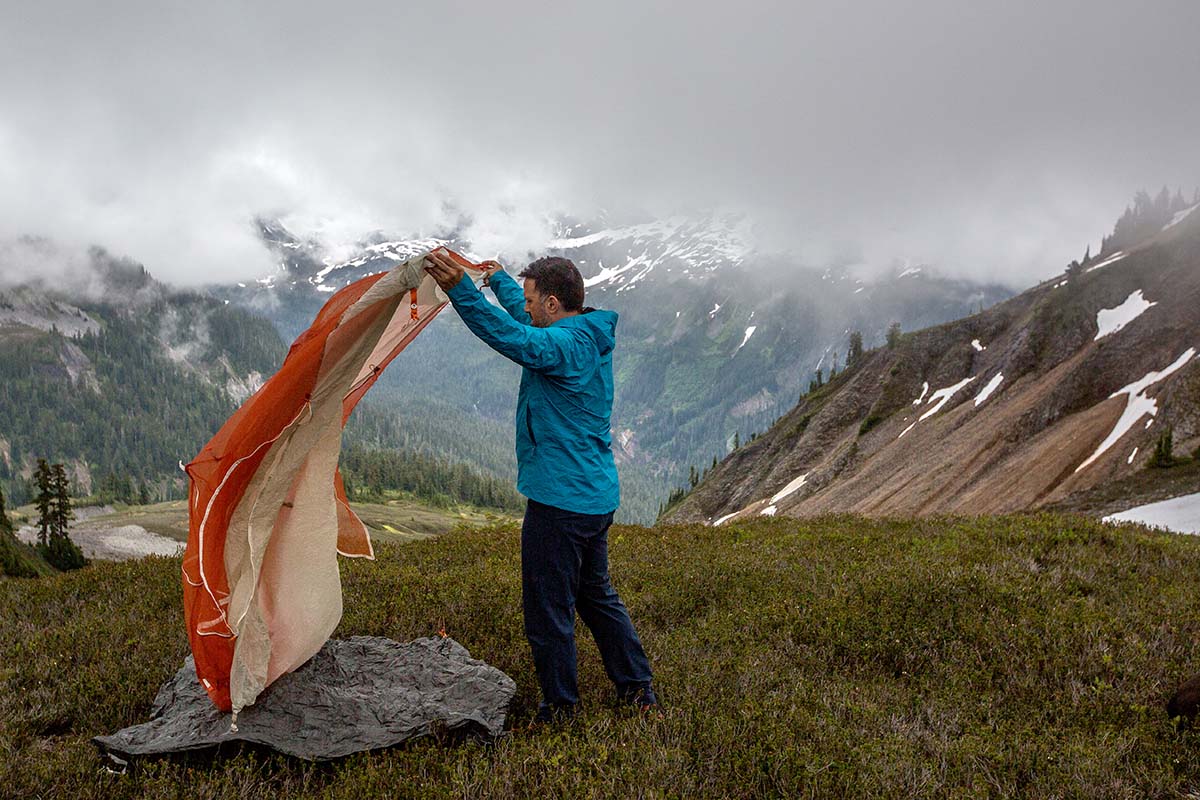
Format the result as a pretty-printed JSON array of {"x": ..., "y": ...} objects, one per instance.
[{"x": 1019, "y": 656}]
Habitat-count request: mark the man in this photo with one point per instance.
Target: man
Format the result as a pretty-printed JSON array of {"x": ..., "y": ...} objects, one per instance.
[{"x": 564, "y": 467}]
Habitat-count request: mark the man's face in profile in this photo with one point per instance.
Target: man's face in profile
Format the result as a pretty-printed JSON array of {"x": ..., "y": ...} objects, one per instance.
[{"x": 537, "y": 305}]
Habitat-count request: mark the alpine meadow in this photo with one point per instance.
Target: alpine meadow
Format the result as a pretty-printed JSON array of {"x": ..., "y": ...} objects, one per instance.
[{"x": 621, "y": 400}]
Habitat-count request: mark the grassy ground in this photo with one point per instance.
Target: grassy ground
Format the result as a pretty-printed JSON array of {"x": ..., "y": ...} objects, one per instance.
[
  {"x": 20, "y": 559},
  {"x": 835, "y": 657}
]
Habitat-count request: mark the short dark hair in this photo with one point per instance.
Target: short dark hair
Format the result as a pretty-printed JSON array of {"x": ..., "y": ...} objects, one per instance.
[{"x": 558, "y": 276}]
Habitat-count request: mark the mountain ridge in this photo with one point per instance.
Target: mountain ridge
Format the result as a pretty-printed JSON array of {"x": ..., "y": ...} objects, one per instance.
[
  {"x": 716, "y": 338},
  {"x": 1014, "y": 408}
]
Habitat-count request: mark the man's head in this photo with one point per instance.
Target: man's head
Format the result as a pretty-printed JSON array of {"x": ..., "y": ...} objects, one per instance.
[{"x": 553, "y": 290}]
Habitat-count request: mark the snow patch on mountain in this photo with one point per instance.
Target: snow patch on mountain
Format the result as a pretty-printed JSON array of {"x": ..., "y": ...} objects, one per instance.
[
  {"x": 938, "y": 399},
  {"x": 398, "y": 251},
  {"x": 727, "y": 517},
  {"x": 942, "y": 396},
  {"x": 1115, "y": 257},
  {"x": 1137, "y": 404},
  {"x": 696, "y": 246},
  {"x": 745, "y": 338},
  {"x": 792, "y": 486},
  {"x": 1180, "y": 216},
  {"x": 1111, "y": 320},
  {"x": 1179, "y": 514},
  {"x": 986, "y": 391}
]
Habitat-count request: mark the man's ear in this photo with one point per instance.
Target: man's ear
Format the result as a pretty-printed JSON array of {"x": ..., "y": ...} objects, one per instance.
[{"x": 552, "y": 304}]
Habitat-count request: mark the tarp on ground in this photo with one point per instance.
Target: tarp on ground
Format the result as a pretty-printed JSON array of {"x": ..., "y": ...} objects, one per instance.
[
  {"x": 267, "y": 510},
  {"x": 363, "y": 693}
]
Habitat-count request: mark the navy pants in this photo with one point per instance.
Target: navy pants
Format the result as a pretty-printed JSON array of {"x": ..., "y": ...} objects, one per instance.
[{"x": 564, "y": 569}]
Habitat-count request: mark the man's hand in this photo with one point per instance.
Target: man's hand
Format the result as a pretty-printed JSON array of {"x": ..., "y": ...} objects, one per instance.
[
  {"x": 444, "y": 269},
  {"x": 489, "y": 268}
]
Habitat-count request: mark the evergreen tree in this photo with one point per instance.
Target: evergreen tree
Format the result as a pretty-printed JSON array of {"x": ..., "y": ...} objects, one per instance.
[
  {"x": 893, "y": 335},
  {"x": 856, "y": 349},
  {"x": 54, "y": 516},
  {"x": 44, "y": 501},
  {"x": 5, "y": 522},
  {"x": 1164, "y": 455},
  {"x": 62, "y": 501},
  {"x": 693, "y": 476}
]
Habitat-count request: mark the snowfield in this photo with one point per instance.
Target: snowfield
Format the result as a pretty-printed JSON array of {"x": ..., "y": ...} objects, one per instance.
[
  {"x": 1111, "y": 320},
  {"x": 1179, "y": 514}
]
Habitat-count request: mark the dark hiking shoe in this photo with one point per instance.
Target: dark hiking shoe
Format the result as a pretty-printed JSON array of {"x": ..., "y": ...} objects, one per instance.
[
  {"x": 643, "y": 700},
  {"x": 552, "y": 715}
]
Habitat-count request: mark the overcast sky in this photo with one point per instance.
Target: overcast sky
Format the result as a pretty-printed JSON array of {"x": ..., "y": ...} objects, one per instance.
[{"x": 993, "y": 139}]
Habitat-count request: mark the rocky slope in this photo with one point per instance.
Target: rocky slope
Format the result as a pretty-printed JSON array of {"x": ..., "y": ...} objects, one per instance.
[{"x": 1051, "y": 395}]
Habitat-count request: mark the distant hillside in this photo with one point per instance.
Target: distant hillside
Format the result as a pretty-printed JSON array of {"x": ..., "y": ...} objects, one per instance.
[
  {"x": 1060, "y": 390},
  {"x": 716, "y": 339},
  {"x": 120, "y": 376}
]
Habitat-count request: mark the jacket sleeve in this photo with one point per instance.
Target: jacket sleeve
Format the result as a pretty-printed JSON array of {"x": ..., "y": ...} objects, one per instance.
[
  {"x": 556, "y": 352},
  {"x": 510, "y": 295}
]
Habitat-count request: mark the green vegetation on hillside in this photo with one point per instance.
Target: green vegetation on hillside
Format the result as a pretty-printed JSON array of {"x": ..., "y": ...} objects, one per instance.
[
  {"x": 834, "y": 657},
  {"x": 369, "y": 473},
  {"x": 144, "y": 414},
  {"x": 1142, "y": 219},
  {"x": 17, "y": 559}
]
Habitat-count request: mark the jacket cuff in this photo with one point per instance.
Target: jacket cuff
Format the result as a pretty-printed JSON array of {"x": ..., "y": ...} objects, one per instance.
[{"x": 462, "y": 290}]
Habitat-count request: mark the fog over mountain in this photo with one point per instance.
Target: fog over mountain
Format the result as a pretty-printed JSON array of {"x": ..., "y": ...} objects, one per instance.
[{"x": 994, "y": 140}]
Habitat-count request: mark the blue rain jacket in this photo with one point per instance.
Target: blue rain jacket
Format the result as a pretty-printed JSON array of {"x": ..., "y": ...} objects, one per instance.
[{"x": 564, "y": 407}]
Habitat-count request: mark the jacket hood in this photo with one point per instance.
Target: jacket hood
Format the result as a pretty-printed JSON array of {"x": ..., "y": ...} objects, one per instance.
[{"x": 600, "y": 323}]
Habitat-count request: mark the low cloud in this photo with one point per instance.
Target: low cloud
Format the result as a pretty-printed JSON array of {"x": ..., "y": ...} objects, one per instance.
[{"x": 994, "y": 140}]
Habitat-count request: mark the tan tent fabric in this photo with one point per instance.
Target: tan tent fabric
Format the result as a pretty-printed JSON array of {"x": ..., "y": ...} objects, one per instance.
[{"x": 268, "y": 511}]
